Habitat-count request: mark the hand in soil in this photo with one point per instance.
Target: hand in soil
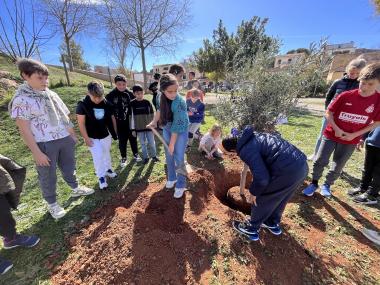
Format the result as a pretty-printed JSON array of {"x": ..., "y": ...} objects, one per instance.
[{"x": 252, "y": 199}]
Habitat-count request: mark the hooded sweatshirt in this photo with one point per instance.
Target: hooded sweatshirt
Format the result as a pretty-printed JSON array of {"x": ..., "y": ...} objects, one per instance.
[{"x": 339, "y": 86}]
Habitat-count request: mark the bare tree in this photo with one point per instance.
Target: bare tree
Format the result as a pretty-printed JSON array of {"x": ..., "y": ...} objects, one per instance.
[
  {"x": 118, "y": 46},
  {"x": 21, "y": 34},
  {"x": 149, "y": 24},
  {"x": 70, "y": 17}
]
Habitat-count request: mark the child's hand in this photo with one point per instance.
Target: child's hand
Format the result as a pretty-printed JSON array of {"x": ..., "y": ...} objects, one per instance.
[
  {"x": 41, "y": 159},
  {"x": 348, "y": 136},
  {"x": 360, "y": 145},
  {"x": 252, "y": 200},
  {"x": 74, "y": 137},
  {"x": 151, "y": 125},
  {"x": 88, "y": 142},
  {"x": 171, "y": 148},
  {"x": 190, "y": 113},
  {"x": 339, "y": 133}
]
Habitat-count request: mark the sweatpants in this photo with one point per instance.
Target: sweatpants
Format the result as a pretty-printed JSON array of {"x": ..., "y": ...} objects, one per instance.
[
  {"x": 61, "y": 152},
  {"x": 320, "y": 136},
  {"x": 101, "y": 155},
  {"x": 371, "y": 173},
  {"x": 271, "y": 203},
  {"x": 193, "y": 127},
  {"x": 7, "y": 223},
  {"x": 342, "y": 152},
  {"x": 124, "y": 134}
]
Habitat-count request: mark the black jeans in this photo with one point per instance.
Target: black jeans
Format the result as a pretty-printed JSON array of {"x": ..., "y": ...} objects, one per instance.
[
  {"x": 7, "y": 223},
  {"x": 371, "y": 174},
  {"x": 124, "y": 134}
]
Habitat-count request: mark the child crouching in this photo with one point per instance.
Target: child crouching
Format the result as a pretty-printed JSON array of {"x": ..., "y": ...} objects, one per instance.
[
  {"x": 210, "y": 142},
  {"x": 97, "y": 124}
]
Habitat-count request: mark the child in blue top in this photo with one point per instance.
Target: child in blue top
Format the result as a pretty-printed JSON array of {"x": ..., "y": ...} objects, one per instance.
[
  {"x": 172, "y": 114},
  {"x": 196, "y": 111}
]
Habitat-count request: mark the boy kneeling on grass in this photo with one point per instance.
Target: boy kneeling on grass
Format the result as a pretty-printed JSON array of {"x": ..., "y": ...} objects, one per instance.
[
  {"x": 97, "y": 124},
  {"x": 278, "y": 168},
  {"x": 44, "y": 124}
]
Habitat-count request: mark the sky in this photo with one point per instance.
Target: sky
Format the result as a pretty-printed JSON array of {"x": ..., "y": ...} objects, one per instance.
[{"x": 296, "y": 23}]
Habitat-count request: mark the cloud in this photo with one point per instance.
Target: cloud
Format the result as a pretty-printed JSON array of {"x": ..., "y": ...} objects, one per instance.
[{"x": 194, "y": 40}]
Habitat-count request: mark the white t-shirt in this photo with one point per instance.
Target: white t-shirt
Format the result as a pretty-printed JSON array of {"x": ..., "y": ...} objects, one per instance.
[{"x": 207, "y": 139}]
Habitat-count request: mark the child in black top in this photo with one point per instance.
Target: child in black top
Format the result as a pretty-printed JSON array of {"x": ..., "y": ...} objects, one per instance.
[
  {"x": 97, "y": 124},
  {"x": 142, "y": 115}
]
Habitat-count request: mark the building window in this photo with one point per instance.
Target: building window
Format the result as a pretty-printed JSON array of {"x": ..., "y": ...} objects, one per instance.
[
  {"x": 166, "y": 68},
  {"x": 279, "y": 61},
  {"x": 289, "y": 60}
]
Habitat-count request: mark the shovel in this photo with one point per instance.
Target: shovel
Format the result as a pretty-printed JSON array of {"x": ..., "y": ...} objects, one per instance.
[{"x": 184, "y": 169}]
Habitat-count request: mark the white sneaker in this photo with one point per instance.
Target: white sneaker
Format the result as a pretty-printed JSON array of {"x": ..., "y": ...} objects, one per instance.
[
  {"x": 56, "y": 211},
  {"x": 102, "y": 183},
  {"x": 137, "y": 158},
  {"x": 111, "y": 174},
  {"x": 170, "y": 184},
  {"x": 82, "y": 191},
  {"x": 178, "y": 192},
  {"x": 123, "y": 162},
  {"x": 373, "y": 236}
]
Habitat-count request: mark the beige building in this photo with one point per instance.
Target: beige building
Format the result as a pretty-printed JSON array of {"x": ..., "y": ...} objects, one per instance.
[
  {"x": 340, "y": 61},
  {"x": 344, "y": 48},
  {"x": 285, "y": 60}
]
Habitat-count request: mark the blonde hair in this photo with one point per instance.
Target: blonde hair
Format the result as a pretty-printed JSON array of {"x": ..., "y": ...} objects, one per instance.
[
  {"x": 357, "y": 63},
  {"x": 215, "y": 128}
]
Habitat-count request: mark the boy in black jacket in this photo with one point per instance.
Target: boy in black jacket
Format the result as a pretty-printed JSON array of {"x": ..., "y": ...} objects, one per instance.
[
  {"x": 120, "y": 97},
  {"x": 142, "y": 115}
]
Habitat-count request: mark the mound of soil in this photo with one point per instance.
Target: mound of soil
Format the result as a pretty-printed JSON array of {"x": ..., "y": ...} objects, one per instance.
[{"x": 145, "y": 236}]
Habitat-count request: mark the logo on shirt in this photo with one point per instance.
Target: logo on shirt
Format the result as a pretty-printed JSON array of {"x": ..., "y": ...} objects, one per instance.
[
  {"x": 348, "y": 104},
  {"x": 99, "y": 113},
  {"x": 370, "y": 109},
  {"x": 353, "y": 118}
]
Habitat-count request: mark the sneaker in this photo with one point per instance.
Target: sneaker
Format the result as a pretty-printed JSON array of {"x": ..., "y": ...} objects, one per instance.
[
  {"x": 309, "y": 190},
  {"x": 178, "y": 192},
  {"x": 56, "y": 211},
  {"x": 123, "y": 162},
  {"x": 145, "y": 160},
  {"x": 365, "y": 199},
  {"x": 155, "y": 159},
  {"x": 246, "y": 229},
  {"x": 21, "y": 240},
  {"x": 326, "y": 191},
  {"x": 102, "y": 183},
  {"x": 373, "y": 236},
  {"x": 5, "y": 266},
  {"x": 276, "y": 230},
  {"x": 355, "y": 191},
  {"x": 111, "y": 174},
  {"x": 137, "y": 158},
  {"x": 170, "y": 184},
  {"x": 82, "y": 191}
]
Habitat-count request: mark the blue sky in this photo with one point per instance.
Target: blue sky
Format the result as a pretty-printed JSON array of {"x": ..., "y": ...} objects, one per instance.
[{"x": 295, "y": 22}]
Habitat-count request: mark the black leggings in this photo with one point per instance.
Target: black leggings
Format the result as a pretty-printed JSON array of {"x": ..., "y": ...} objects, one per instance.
[
  {"x": 124, "y": 134},
  {"x": 7, "y": 223},
  {"x": 371, "y": 174}
]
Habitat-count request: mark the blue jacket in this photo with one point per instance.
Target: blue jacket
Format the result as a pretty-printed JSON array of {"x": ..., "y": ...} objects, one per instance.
[
  {"x": 268, "y": 156},
  {"x": 198, "y": 110},
  {"x": 373, "y": 138}
]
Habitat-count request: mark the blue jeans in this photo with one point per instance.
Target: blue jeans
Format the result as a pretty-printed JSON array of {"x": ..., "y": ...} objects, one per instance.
[
  {"x": 176, "y": 160},
  {"x": 147, "y": 141},
  {"x": 319, "y": 139}
]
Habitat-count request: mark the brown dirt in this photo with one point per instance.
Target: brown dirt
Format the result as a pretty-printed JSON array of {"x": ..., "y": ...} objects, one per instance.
[{"x": 145, "y": 236}]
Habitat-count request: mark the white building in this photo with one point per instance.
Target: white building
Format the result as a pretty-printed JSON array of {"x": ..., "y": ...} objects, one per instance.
[
  {"x": 285, "y": 60},
  {"x": 334, "y": 49}
]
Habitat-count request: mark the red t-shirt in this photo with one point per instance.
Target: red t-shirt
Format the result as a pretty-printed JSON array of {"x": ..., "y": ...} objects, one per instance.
[{"x": 353, "y": 112}]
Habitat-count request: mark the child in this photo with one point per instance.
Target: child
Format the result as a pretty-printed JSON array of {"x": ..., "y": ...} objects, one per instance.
[
  {"x": 173, "y": 116},
  {"x": 153, "y": 87},
  {"x": 210, "y": 142},
  {"x": 352, "y": 114},
  {"x": 142, "y": 114},
  {"x": 196, "y": 111},
  {"x": 97, "y": 124},
  {"x": 348, "y": 82},
  {"x": 44, "y": 124},
  {"x": 278, "y": 168},
  {"x": 120, "y": 97},
  {"x": 368, "y": 191},
  {"x": 12, "y": 178},
  {"x": 196, "y": 86}
]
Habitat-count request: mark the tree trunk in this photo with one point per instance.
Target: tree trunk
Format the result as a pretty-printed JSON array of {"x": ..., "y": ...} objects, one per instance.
[
  {"x": 70, "y": 59},
  {"x": 144, "y": 66}
]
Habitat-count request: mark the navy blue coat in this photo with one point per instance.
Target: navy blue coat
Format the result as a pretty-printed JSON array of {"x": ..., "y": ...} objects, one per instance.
[{"x": 268, "y": 156}]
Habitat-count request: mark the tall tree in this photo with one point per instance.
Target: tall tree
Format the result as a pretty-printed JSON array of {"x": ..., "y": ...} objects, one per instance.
[
  {"x": 118, "y": 46},
  {"x": 377, "y": 5},
  {"x": 154, "y": 25},
  {"x": 21, "y": 32},
  {"x": 70, "y": 17},
  {"x": 76, "y": 55}
]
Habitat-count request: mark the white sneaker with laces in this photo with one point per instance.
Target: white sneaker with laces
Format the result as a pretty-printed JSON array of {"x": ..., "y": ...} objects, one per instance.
[
  {"x": 178, "y": 192},
  {"x": 102, "y": 183},
  {"x": 82, "y": 191},
  {"x": 170, "y": 184},
  {"x": 56, "y": 211},
  {"x": 123, "y": 162},
  {"x": 137, "y": 158},
  {"x": 111, "y": 174}
]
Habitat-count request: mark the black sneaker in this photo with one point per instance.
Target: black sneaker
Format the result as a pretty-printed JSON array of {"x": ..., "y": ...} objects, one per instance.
[
  {"x": 155, "y": 159},
  {"x": 355, "y": 191},
  {"x": 145, "y": 160},
  {"x": 365, "y": 199},
  {"x": 246, "y": 229},
  {"x": 5, "y": 265}
]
